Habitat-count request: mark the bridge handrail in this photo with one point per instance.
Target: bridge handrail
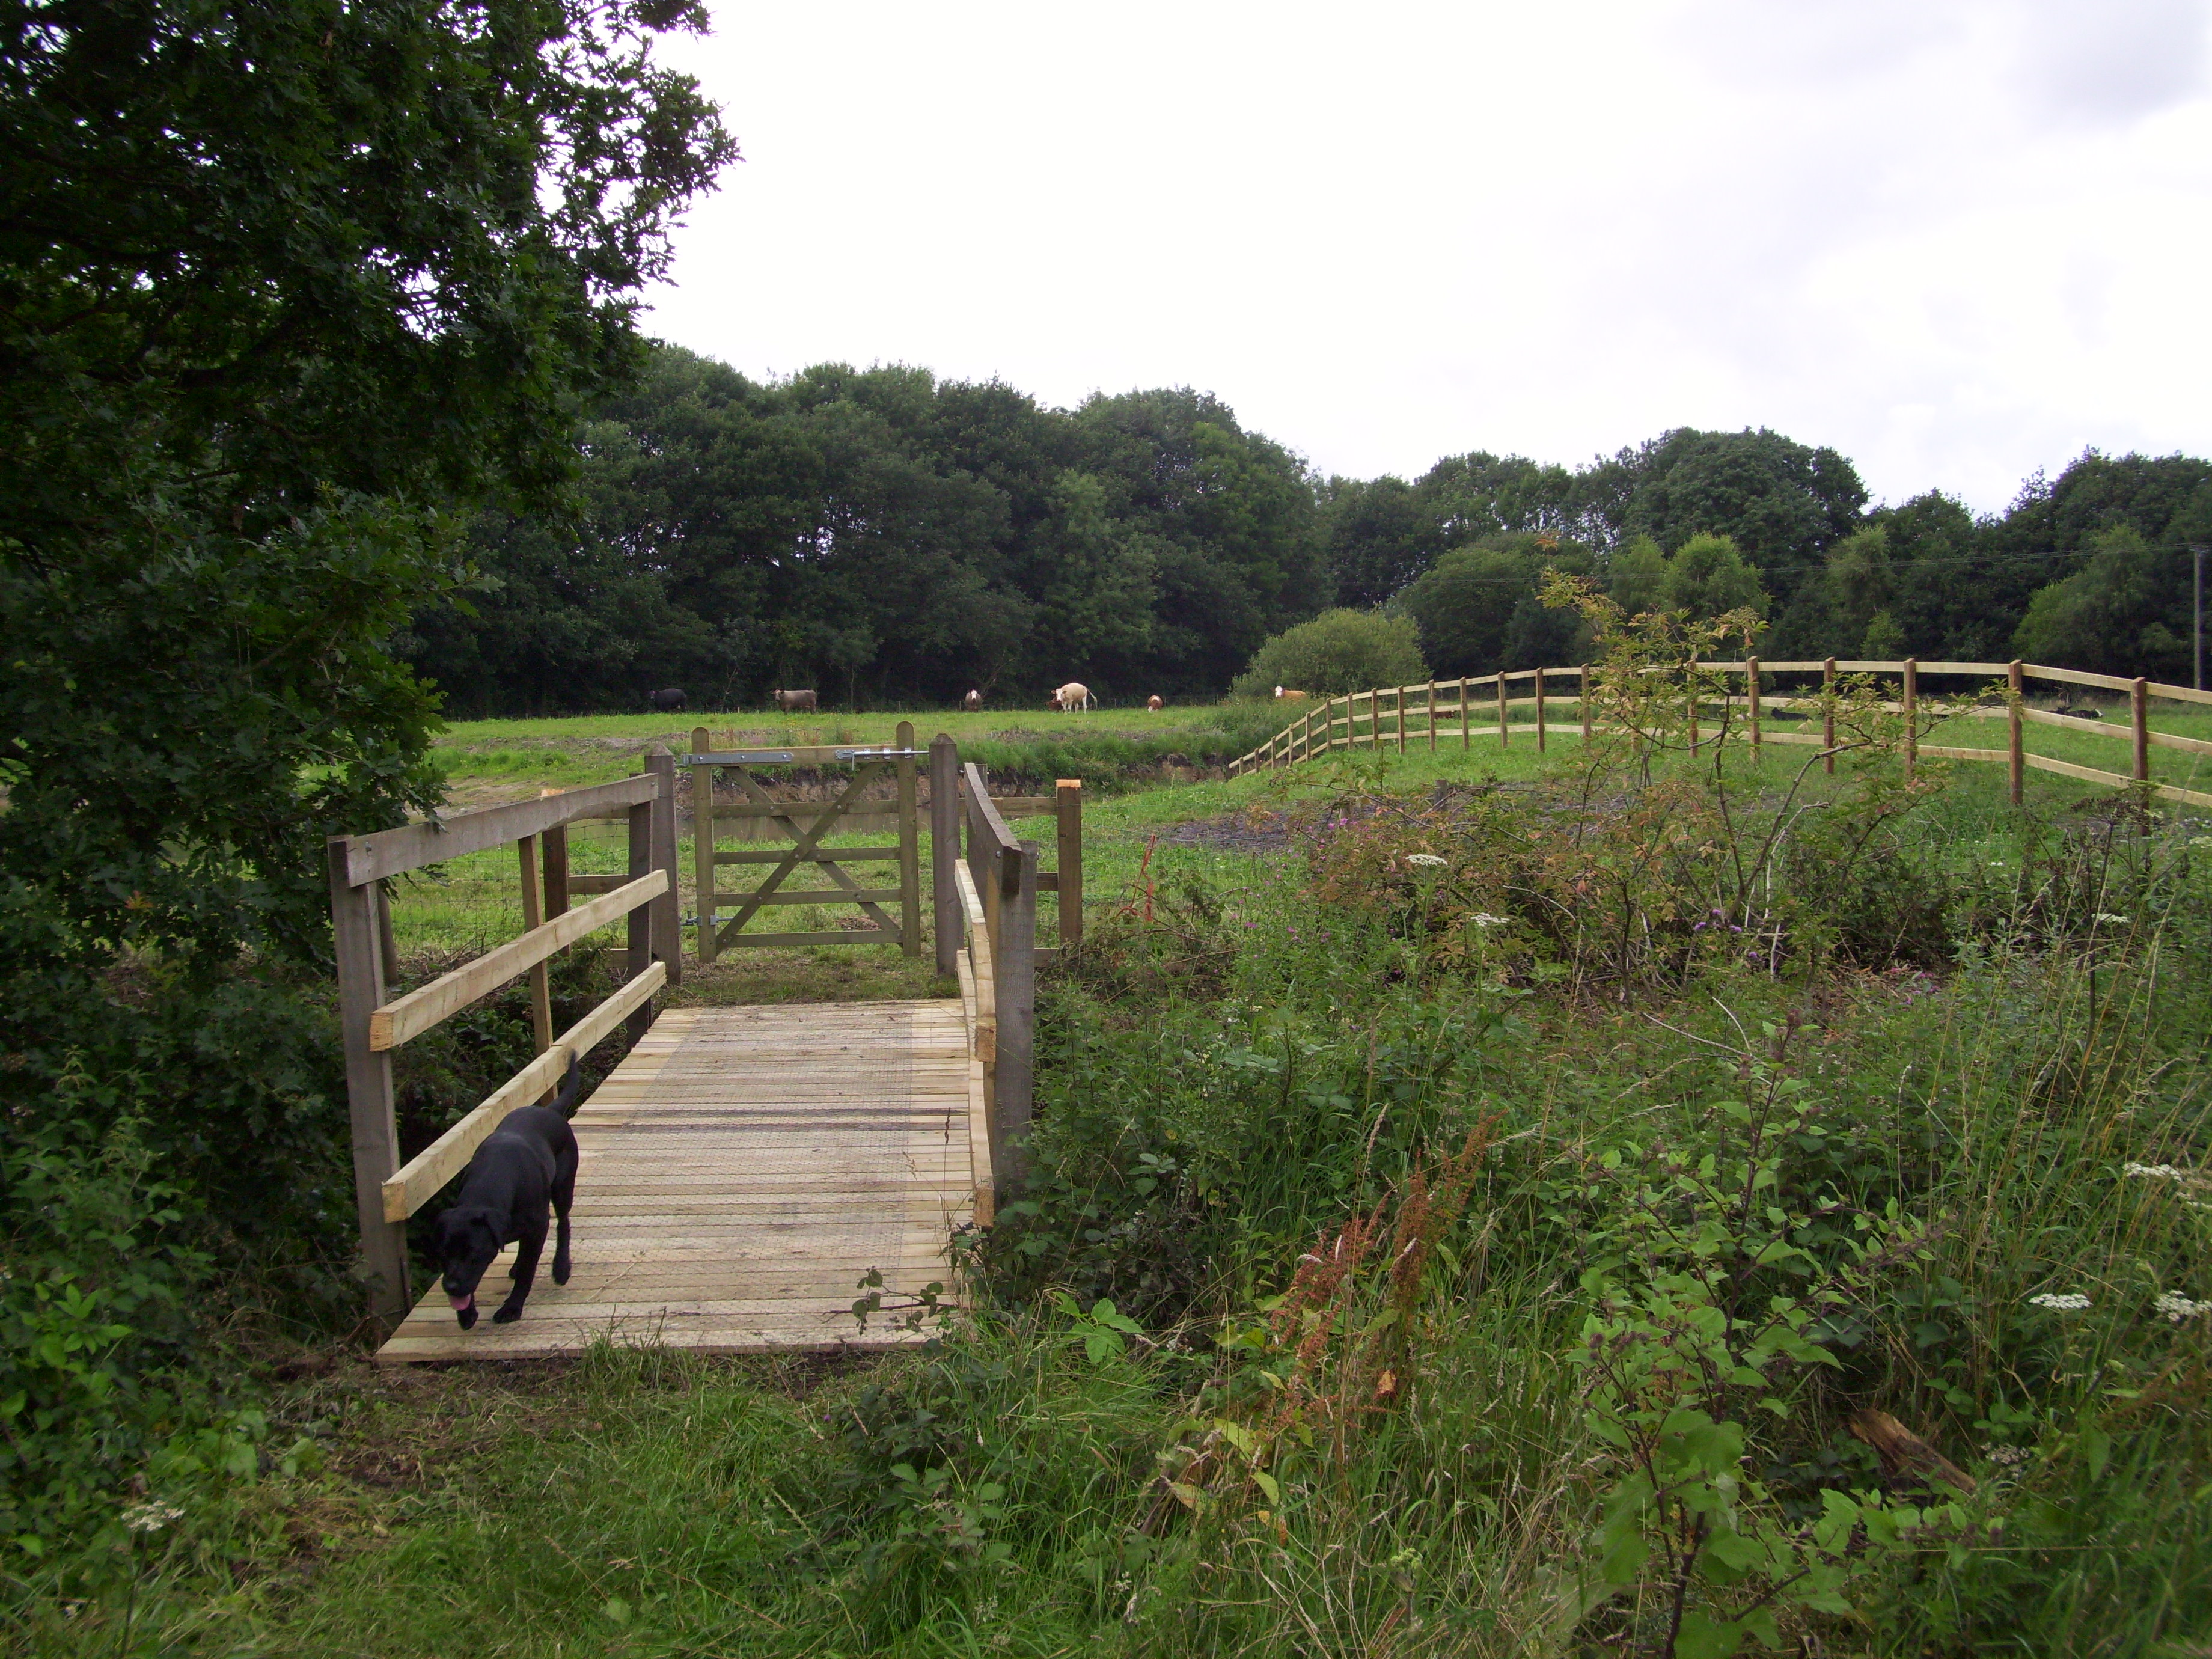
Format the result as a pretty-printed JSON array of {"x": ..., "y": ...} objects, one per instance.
[
  {"x": 1296, "y": 741},
  {"x": 361, "y": 866}
]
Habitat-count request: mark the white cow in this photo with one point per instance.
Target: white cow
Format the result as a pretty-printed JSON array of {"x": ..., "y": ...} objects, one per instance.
[{"x": 1073, "y": 695}]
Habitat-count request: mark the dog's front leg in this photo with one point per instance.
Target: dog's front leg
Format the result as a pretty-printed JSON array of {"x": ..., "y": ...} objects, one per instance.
[{"x": 527, "y": 1249}]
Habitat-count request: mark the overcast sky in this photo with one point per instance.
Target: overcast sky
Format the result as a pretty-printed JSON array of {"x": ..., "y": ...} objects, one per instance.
[{"x": 1958, "y": 240}]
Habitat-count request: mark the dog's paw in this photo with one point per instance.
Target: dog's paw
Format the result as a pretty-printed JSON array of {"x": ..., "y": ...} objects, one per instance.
[
  {"x": 561, "y": 1267},
  {"x": 506, "y": 1316},
  {"x": 466, "y": 1317}
]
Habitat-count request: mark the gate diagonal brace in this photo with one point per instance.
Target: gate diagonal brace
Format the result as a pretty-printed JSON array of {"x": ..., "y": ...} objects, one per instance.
[{"x": 803, "y": 852}]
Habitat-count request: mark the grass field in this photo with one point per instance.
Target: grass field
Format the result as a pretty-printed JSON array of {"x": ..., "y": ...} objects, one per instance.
[{"x": 1309, "y": 1019}]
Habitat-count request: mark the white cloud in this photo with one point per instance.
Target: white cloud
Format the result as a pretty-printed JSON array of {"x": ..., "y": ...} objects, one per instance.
[{"x": 1956, "y": 241}]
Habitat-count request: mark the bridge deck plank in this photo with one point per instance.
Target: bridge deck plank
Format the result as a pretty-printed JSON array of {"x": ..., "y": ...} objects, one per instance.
[{"x": 740, "y": 1170}]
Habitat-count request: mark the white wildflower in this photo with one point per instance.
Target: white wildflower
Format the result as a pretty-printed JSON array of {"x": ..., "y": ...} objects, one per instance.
[
  {"x": 2067, "y": 1302},
  {"x": 2109, "y": 919},
  {"x": 1484, "y": 918},
  {"x": 2006, "y": 1455},
  {"x": 1427, "y": 860},
  {"x": 2176, "y": 1307},
  {"x": 151, "y": 1515},
  {"x": 2153, "y": 1172}
]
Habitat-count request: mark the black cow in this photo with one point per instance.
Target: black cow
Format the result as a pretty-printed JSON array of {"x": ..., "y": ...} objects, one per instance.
[{"x": 671, "y": 701}]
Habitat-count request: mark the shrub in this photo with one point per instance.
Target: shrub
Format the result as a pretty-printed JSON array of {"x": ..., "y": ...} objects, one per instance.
[{"x": 1338, "y": 651}]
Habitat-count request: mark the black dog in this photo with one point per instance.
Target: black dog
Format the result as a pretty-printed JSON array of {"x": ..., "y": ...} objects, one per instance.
[{"x": 527, "y": 1162}]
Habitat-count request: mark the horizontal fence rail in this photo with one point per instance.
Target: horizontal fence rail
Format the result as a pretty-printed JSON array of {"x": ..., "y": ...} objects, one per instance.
[{"x": 1445, "y": 710}]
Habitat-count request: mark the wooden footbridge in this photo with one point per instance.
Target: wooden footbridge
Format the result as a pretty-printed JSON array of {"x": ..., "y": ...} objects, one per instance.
[{"x": 745, "y": 1167}]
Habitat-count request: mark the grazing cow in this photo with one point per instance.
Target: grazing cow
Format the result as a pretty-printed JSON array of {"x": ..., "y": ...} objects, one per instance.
[
  {"x": 1073, "y": 695},
  {"x": 1281, "y": 695},
  {"x": 971, "y": 702},
  {"x": 791, "y": 702},
  {"x": 1153, "y": 705},
  {"x": 668, "y": 700}
]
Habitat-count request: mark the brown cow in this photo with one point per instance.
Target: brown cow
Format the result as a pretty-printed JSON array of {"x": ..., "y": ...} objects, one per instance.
[
  {"x": 1153, "y": 705},
  {"x": 1073, "y": 695},
  {"x": 792, "y": 702},
  {"x": 971, "y": 702},
  {"x": 1282, "y": 695}
]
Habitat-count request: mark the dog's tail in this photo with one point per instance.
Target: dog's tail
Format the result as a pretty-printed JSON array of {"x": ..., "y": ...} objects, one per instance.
[{"x": 565, "y": 1101}]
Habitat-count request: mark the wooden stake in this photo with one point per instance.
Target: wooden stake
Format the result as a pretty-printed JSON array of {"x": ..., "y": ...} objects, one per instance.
[
  {"x": 534, "y": 915},
  {"x": 1911, "y": 710},
  {"x": 1068, "y": 793},
  {"x": 2017, "y": 751},
  {"x": 2139, "y": 709},
  {"x": 910, "y": 842},
  {"x": 946, "y": 919},
  {"x": 1504, "y": 736},
  {"x": 1540, "y": 711},
  {"x": 702, "y": 842},
  {"x": 1828, "y": 711}
]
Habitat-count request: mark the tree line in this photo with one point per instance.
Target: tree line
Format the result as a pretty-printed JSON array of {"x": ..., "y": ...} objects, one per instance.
[{"x": 888, "y": 538}]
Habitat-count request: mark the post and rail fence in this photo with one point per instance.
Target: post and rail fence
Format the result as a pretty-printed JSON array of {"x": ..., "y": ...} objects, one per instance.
[
  {"x": 986, "y": 883},
  {"x": 1445, "y": 710}
]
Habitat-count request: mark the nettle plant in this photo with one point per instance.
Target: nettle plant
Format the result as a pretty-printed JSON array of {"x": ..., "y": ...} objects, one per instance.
[{"x": 1713, "y": 1291}]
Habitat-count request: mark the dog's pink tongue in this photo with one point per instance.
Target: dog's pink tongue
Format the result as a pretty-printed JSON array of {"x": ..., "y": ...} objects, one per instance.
[{"x": 463, "y": 1303}]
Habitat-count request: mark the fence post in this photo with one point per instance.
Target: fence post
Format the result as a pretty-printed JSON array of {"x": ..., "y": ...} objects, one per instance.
[
  {"x": 1911, "y": 714},
  {"x": 534, "y": 915},
  {"x": 2019, "y": 767},
  {"x": 668, "y": 909},
  {"x": 1691, "y": 700},
  {"x": 1585, "y": 701},
  {"x": 1505, "y": 737},
  {"x": 1014, "y": 955},
  {"x": 638, "y": 932},
  {"x": 909, "y": 815},
  {"x": 1068, "y": 794},
  {"x": 2139, "y": 710},
  {"x": 557, "y": 866},
  {"x": 1828, "y": 712},
  {"x": 369, "y": 1091},
  {"x": 1433, "y": 716},
  {"x": 1466, "y": 735},
  {"x": 703, "y": 843},
  {"x": 945, "y": 851},
  {"x": 1540, "y": 711}
]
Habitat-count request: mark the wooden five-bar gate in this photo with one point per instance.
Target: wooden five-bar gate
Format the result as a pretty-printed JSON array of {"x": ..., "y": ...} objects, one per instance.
[{"x": 742, "y": 1167}]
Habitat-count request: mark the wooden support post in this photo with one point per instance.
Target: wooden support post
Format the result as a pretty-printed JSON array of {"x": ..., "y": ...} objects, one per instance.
[
  {"x": 1465, "y": 732},
  {"x": 387, "y": 942},
  {"x": 1433, "y": 716},
  {"x": 1068, "y": 793},
  {"x": 637, "y": 941},
  {"x": 556, "y": 850},
  {"x": 2016, "y": 749},
  {"x": 1398, "y": 702},
  {"x": 909, "y": 833},
  {"x": 1014, "y": 875},
  {"x": 1540, "y": 711},
  {"x": 945, "y": 851},
  {"x": 1583, "y": 680},
  {"x": 1828, "y": 711},
  {"x": 1751, "y": 683},
  {"x": 703, "y": 843},
  {"x": 369, "y": 1091},
  {"x": 1505, "y": 737},
  {"x": 2139, "y": 710},
  {"x": 1912, "y": 716},
  {"x": 534, "y": 915},
  {"x": 668, "y": 909}
]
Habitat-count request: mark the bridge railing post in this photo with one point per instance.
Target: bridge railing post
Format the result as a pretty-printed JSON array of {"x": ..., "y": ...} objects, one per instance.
[
  {"x": 667, "y": 910},
  {"x": 1014, "y": 955},
  {"x": 703, "y": 843},
  {"x": 910, "y": 839},
  {"x": 362, "y": 989},
  {"x": 945, "y": 850},
  {"x": 637, "y": 956}
]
